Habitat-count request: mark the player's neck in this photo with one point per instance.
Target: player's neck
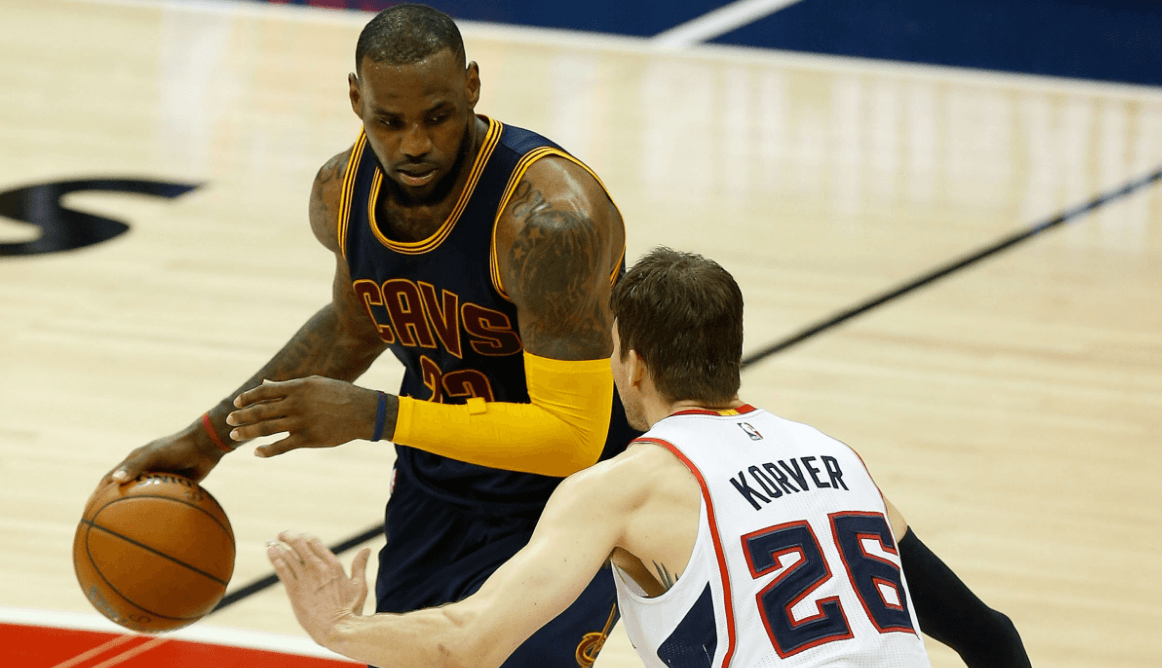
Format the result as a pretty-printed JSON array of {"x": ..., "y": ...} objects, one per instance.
[
  {"x": 412, "y": 221},
  {"x": 658, "y": 407}
]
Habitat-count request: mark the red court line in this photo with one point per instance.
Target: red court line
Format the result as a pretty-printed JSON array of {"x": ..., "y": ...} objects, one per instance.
[
  {"x": 129, "y": 654},
  {"x": 28, "y": 646},
  {"x": 96, "y": 651}
]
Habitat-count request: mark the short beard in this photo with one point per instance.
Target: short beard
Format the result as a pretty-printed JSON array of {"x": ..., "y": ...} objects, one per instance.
[
  {"x": 635, "y": 414},
  {"x": 443, "y": 187}
]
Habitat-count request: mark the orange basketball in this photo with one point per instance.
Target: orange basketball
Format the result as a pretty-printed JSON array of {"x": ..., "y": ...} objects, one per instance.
[{"x": 154, "y": 554}]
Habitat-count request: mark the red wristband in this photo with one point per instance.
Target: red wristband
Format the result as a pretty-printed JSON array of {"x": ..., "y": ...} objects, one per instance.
[{"x": 214, "y": 437}]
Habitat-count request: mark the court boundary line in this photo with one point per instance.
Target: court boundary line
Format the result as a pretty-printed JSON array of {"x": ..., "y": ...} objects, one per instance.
[
  {"x": 717, "y": 23},
  {"x": 214, "y": 635},
  {"x": 956, "y": 264},
  {"x": 132, "y": 652},
  {"x": 104, "y": 647},
  {"x": 609, "y": 42}
]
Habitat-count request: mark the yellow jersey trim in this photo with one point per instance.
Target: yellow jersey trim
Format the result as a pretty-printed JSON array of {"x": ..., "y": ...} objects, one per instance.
[
  {"x": 518, "y": 173},
  {"x": 349, "y": 185},
  {"x": 491, "y": 139}
]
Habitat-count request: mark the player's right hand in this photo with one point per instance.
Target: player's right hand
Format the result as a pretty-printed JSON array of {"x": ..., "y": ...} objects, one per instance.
[{"x": 188, "y": 452}]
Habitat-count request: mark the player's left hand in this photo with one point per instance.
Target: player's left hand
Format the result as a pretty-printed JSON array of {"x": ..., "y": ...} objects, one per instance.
[
  {"x": 316, "y": 412},
  {"x": 320, "y": 592}
]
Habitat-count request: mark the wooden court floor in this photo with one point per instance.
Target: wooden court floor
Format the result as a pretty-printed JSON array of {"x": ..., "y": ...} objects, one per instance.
[{"x": 1011, "y": 409}]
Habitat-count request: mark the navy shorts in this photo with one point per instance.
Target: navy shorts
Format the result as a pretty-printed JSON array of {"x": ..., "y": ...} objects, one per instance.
[{"x": 438, "y": 553}]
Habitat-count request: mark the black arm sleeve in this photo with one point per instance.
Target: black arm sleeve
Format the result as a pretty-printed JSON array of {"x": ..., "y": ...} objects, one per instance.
[{"x": 951, "y": 614}]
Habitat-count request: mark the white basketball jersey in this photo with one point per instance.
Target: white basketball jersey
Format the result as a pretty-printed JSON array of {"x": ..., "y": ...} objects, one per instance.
[{"x": 795, "y": 563}]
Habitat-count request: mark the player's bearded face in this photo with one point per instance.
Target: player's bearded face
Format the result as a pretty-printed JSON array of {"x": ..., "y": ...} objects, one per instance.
[
  {"x": 428, "y": 194},
  {"x": 417, "y": 119}
]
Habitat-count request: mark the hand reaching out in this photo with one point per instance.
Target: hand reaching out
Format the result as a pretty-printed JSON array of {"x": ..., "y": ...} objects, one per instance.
[{"x": 320, "y": 592}]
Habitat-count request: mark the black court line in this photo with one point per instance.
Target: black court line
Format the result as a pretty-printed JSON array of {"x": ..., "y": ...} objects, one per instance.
[
  {"x": 936, "y": 274},
  {"x": 1005, "y": 243}
]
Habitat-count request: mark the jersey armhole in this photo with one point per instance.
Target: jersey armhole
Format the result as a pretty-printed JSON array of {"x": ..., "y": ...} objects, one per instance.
[
  {"x": 712, "y": 521},
  {"x": 518, "y": 173},
  {"x": 347, "y": 194},
  {"x": 875, "y": 484}
]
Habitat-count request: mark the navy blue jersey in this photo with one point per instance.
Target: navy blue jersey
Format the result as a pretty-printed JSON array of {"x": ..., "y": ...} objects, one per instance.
[{"x": 440, "y": 305}]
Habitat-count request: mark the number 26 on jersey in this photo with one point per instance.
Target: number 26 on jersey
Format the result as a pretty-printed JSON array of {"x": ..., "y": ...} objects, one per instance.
[{"x": 876, "y": 581}]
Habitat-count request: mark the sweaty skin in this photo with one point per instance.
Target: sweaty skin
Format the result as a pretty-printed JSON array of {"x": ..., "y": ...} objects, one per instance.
[{"x": 558, "y": 241}]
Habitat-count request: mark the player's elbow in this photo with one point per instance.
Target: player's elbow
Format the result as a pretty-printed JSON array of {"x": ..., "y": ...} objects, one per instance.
[
  {"x": 465, "y": 642},
  {"x": 999, "y": 644},
  {"x": 589, "y": 447},
  {"x": 466, "y": 655},
  {"x": 1009, "y": 649},
  {"x": 591, "y": 455},
  {"x": 578, "y": 449},
  {"x": 582, "y": 439},
  {"x": 573, "y": 401},
  {"x": 451, "y": 655}
]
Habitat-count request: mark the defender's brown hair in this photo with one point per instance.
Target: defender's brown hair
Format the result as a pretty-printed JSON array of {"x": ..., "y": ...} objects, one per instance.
[{"x": 682, "y": 313}]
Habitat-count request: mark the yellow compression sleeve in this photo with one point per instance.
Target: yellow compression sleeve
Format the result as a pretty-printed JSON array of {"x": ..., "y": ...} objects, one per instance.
[{"x": 560, "y": 432}]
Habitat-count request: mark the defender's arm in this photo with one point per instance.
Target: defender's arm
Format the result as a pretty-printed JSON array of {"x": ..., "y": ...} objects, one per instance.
[
  {"x": 949, "y": 612},
  {"x": 583, "y": 522}
]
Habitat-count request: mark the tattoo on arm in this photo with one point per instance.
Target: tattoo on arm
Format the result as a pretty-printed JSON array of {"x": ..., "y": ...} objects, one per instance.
[
  {"x": 321, "y": 347},
  {"x": 556, "y": 274},
  {"x": 528, "y": 200},
  {"x": 336, "y": 342},
  {"x": 664, "y": 576},
  {"x": 322, "y": 214}
]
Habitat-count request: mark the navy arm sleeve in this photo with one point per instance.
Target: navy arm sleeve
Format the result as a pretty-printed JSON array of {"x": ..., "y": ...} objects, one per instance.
[{"x": 951, "y": 614}]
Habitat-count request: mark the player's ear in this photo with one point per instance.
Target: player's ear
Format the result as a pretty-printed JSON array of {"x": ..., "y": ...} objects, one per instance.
[
  {"x": 635, "y": 368},
  {"x": 472, "y": 84},
  {"x": 355, "y": 94}
]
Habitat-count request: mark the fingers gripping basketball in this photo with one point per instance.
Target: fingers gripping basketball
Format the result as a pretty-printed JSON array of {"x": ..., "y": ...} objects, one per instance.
[{"x": 155, "y": 554}]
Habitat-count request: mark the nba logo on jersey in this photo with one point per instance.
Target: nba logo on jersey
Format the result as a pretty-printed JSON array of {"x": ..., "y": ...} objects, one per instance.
[{"x": 751, "y": 431}]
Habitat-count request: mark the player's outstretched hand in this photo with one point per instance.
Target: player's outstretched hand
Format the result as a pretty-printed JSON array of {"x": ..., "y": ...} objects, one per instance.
[
  {"x": 315, "y": 412},
  {"x": 320, "y": 592},
  {"x": 188, "y": 452}
]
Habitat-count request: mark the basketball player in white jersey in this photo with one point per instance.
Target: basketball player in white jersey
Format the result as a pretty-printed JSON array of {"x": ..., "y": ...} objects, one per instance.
[{"x": 737, "y": 538}]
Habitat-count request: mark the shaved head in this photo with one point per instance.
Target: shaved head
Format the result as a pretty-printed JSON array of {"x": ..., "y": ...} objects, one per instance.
[{"x": 407, "y": 34}]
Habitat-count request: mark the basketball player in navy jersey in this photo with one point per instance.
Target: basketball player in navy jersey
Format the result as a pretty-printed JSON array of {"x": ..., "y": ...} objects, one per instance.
[
  {"x": 738, "y": 538},
  {"x": 483, "y": 256}
]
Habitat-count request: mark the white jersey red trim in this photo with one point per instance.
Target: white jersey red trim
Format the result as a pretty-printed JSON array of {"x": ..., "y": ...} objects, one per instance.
[{"x": 795, "y": 561}]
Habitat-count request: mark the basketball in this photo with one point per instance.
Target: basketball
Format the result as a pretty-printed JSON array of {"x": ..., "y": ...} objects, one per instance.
[{"x": 154, "y": 554}]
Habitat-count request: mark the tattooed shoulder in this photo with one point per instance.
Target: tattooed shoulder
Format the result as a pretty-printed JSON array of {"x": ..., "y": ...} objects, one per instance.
[
  {"x": 325, "y": 195},
  {"x": 526, "y": 200},
  {"x": 556, "y": 269}
]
